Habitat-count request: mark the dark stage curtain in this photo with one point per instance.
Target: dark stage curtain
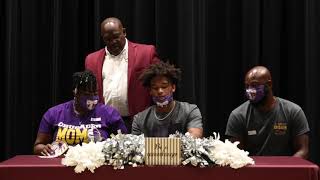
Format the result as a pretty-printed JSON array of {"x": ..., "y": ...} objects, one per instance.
[{"x": 213, "y": 42}]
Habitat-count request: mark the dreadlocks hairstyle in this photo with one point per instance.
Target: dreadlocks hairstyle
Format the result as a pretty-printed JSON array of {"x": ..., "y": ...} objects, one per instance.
[
  {"x": 85, "y": 81},
  {"x": 160, "y": 69}
]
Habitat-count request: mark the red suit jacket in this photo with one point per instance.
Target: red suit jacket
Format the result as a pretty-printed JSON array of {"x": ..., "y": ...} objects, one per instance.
[{"x": 140, "y": 56}]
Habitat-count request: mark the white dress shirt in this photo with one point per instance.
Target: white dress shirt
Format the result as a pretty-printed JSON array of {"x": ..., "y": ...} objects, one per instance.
[{"x": 115, "y": 80}]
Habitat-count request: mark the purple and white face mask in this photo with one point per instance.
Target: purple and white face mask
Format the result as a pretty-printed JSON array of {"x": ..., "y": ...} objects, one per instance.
[
  {"x": 162, "y": 101},
  {"x": 89, "y": 102},
  {"x": 256, "y": 94}
]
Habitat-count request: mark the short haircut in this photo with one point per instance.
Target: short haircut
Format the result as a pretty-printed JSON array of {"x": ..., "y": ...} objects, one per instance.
[
  {"x": 160, "y": 69},
  {"x": 84, "y": 81}
]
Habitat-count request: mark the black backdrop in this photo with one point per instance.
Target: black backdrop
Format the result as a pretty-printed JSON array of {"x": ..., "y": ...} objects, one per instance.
[{"x": 214, "y": 42}]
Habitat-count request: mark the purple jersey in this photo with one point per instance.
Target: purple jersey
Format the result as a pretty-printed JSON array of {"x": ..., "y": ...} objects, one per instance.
[{"x": 65, "y": 125}]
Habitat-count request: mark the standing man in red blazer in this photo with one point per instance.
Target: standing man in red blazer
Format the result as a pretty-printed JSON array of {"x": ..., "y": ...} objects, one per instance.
[{"x": 117, "y": 68}]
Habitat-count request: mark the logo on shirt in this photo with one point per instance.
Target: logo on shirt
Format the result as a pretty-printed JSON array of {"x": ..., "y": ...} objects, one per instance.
[
  {"x": 280, "y": 128},
  {"x": 73, "y": 135}
]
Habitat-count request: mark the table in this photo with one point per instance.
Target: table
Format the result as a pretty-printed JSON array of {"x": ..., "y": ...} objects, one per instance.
[{"x": 265, "y": 168}]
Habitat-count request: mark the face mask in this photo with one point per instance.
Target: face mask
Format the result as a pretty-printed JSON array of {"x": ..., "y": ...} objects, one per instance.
[
  {"x": 162, "y": 101},
  {"x": 256, "y": 94},
  {"x": 89, "y": 102}
]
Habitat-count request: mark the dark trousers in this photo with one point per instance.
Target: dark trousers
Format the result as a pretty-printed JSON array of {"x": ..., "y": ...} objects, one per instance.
[{"x": 128, "y": 122}]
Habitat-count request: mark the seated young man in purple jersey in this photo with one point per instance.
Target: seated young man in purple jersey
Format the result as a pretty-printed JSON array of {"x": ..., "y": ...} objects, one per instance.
[{"x": 73, "y": 121}]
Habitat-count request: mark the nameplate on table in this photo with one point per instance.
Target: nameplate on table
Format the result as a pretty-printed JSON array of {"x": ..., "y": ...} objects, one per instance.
[{"x": 162, "y": 151}]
